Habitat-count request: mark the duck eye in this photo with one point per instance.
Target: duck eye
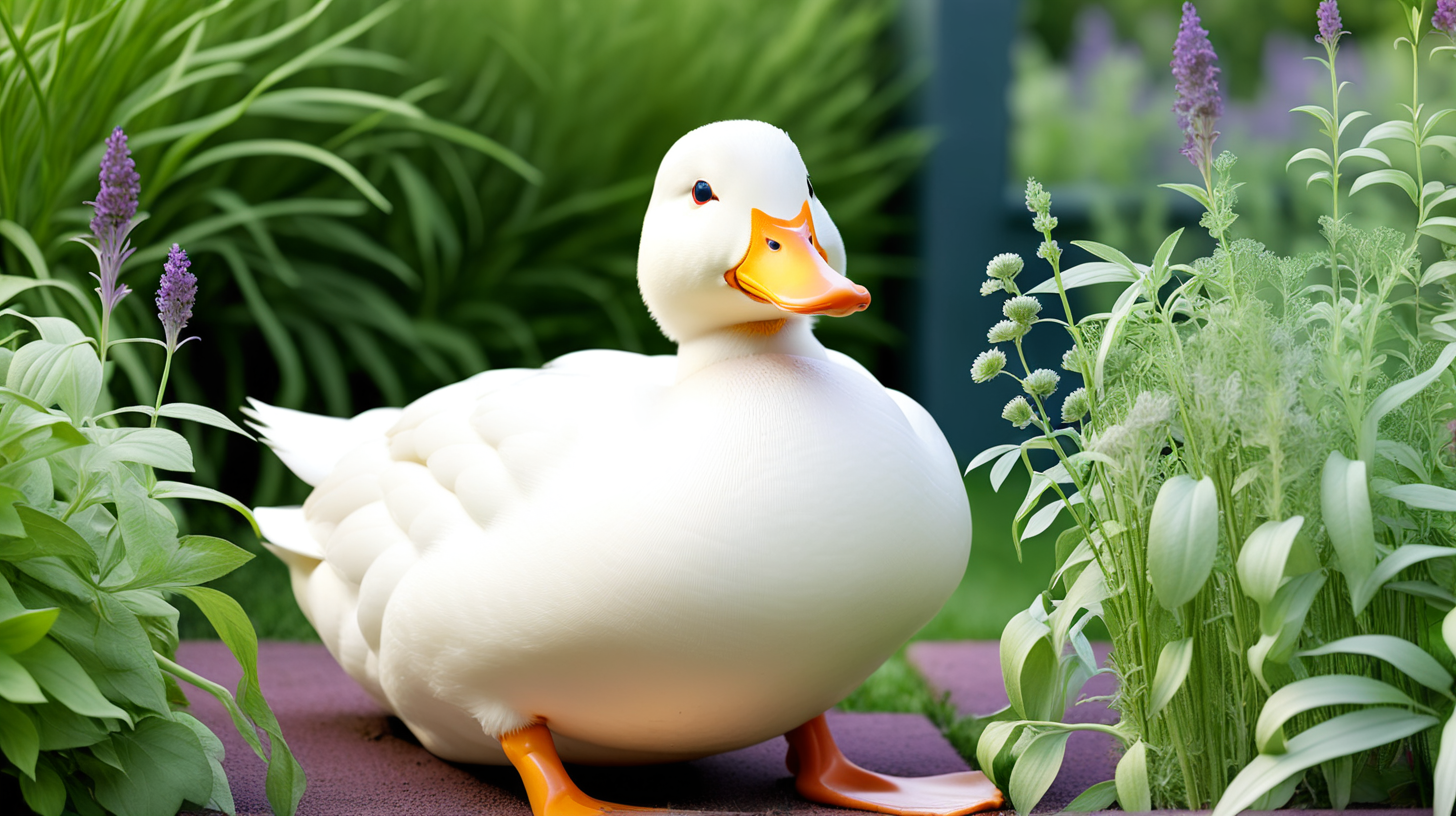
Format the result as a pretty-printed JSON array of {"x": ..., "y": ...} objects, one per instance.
[
  {"x": 810, "y": 182},
  {"x": 703, "y": 192},
  {"x": 773, "y": 245}
]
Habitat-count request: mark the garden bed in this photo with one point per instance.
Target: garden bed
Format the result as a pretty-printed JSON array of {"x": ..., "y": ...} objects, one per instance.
[{"x": 362, "y": 762}]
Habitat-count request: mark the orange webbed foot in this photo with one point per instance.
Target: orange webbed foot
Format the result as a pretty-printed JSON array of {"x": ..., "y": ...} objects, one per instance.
[
  {"x": 551, "y": 791},
  {"x": 823, "y": 774}
]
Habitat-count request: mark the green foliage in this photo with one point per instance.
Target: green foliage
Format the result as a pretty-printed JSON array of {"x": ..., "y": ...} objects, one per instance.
[
  {"x": 1261, "y": 477},
  {"x": 90, "y": 558}
]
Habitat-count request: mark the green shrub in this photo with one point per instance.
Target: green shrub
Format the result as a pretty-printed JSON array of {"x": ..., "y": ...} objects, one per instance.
[{"x": 1262, "y": 486}]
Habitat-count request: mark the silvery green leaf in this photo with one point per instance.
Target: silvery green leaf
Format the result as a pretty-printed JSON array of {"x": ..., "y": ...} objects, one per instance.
[
  {"x": 157, "y": 447},
  {"x": 1319, "y": 175},
  {"x": 1423, "y": 496},
  {"x": 1398, "y": 652},
  {"x": 1394, "y": 129},
  {"x": 1343, "y": 735},
  {"x": 203, "y": 414},
  {"x": 1042, "y": 519},
  {"x": 1131, "y": 779},
  {"x": 1193, "y": 191},
  {"x": 1082, "y": 554},
  {"x": 1403, "y": 454},
  {"x": 1120, "y": 311},
  {"x": 1448, "y": 630},
  {"x": 1345, "y": 503},
  {"x": 1035, "y": 770},
  {"x": 1261, "y": 562},
  {"x": 1173, "y": 665},
  {"x": 1090, "y": 588},
  {"x": 1391, "y": 565},
  {"x": 993, "y": 750},
  {"x": 1397, "y": 178},
  {"x": 1003, "y": 466},
  {"x": 1443, "y": 798},
  {"x": 1098, "y": 797},
  {"x": 1279, "y": 795},
  {"x": 988, "y": 454},
  {"x": 1085, "y": 275},
  {"x": 1396, "y": 396},
  {"x": 1310, "y": 153},
  {"x": 1110, "y": 254},
  {"x": 1039, "y": 486},
  {"x": 181, "y": 490},
  {"x": 1440, "y": 270},
  {"x": 1350, "y": 117},
  {"x": 1339, "y": 777},
  {"x": 1182, "y": 539},
  {"x": 1160, "y": 258},
  {"x": 1438, "y": 597},
  {"x": 1325, "y": 117},
  {"x": 1365, "y": 153},
  {"x": 1318, "y": 692},
  {"x": 1029, "y": 668}
]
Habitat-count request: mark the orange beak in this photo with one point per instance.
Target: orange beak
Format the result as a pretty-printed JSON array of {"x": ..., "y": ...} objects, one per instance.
[{"x": 786, "y": 266}]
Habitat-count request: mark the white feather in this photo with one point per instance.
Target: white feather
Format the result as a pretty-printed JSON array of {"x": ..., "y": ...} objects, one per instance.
[{"x": 312, "y": 445}]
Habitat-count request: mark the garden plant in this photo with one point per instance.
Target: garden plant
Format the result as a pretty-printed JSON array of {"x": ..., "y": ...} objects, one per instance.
[
  {"x": 92, "y": 716},
  {"x": 1259, "y": 473}
]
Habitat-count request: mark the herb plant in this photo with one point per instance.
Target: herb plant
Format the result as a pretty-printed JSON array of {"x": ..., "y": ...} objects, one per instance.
[
  {"x": 1259, "y": 471},
  {"x": 92, "y": 717}
]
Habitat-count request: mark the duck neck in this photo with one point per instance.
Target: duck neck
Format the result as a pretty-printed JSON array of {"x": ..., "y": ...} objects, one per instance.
[{"x": 789, "y": 335}]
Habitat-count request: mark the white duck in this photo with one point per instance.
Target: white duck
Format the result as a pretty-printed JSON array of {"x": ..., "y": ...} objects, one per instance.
[{"x": 628, "y": 559}]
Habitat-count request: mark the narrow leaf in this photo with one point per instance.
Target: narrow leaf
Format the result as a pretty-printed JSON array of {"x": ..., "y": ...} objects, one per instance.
[{"x": 1173, "y": 665}]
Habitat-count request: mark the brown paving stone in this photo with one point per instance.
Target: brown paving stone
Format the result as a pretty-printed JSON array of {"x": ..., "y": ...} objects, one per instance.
[{"x": 361, "y": 763}]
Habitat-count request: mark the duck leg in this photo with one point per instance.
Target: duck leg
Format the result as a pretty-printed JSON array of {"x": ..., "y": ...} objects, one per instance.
[
  {"x": 551, "y": 791},
  {"x": 823, "y": 774}
]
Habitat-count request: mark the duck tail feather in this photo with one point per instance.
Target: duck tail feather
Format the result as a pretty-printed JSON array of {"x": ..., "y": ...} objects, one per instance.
[
  {"x": 312, "y": 445},
  {"x": 286, "y": 535}
]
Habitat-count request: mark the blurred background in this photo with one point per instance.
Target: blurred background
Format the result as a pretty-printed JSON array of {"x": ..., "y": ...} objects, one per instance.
[{"x": 384, "y": 197}]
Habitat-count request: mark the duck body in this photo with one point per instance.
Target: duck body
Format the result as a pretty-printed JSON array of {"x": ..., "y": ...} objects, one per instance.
[
  {"x": 659, "y": 569},
  {"x": 621, "y": 559}
]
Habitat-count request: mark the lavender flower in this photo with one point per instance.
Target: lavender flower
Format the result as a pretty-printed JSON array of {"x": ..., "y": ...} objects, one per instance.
[
  {"x": 1330, "y": 27},
  {"x": 1199, "y": 104},
  {"x": 176, "y": 295},
  {"x": 1445, "y": 17},
  {"x": 116, "y": 204}
]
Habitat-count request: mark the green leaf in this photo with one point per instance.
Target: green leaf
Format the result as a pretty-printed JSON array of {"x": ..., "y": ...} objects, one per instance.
[
  {"x": 1089, "y": 590},
  {"x": 187, "y": 411},
  {"x": 1365, "y": 153},
  {"x": 157, "y": 447},
  {"x": 1029, "y": 668},
  {"x": 49, "y": 536},
  {"x": 1036, "y": 769},
  {"x": 1418, "y": 664},
  {"x": 1443, "y": 797},
  {"x": 1392, "y": 130},
  {"x": 988, "y": 454},
  {"x": 247, "y": 148},
  {"x": 58, "y": 673},
  {"x": 1396, "y": 396},
  {"x": 1263, "y": 558},
  {"x": 1173, "y": 665},
  {"x": 67, "y": 373},
  {"x": 1310, "y": 153},
  {"x": 1403, "y": 454},
  {"x": 1193, "y": 191},
  {"x": 1112, "y": 255},
  {"x": 182, "y": 490},
  {"x": 1182, "y": 539},
  {"x": 199, "y": 559},
  {"x": 1318, "y": 692},
  {"x": 1424, "y": 496},
  {"x": 1325, "y": 117},
  {"x": 1448, "y": 630},
  {"x": 1131, "y": 780},
  {"x": 1345, "y": 503},
  {"x": 18, "y": 738},
  {"x": 1345, "y": 734},
  {"x": 16, "y": 684},
  {"x": 1320, "y": 175},
  {"x": 21, "y": 631},
  {"x": 1085, "y": 274},
  {"x": 285, "y": 781},
  {"x": 46, "y": 794},
  {"x": 1398, "y": 178},
  {"x": 61, "y": 728},
  {"x": 1339, "y": 778},
  {"x": 994, "y": 749},
  {"x": 222, "y": 796},
  {"x": 1098, "y": 797},
  {"x": 1391, "y": 565},
  {"x": 163, "y": 766},
  {"x": 1438, "y": 271}
]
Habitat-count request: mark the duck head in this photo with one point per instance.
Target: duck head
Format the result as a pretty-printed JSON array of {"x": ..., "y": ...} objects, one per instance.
[{"x": 734, "y": 235}]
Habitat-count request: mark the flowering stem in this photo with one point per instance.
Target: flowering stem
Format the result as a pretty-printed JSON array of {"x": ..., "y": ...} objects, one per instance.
[{"x": 162, "y": 386}]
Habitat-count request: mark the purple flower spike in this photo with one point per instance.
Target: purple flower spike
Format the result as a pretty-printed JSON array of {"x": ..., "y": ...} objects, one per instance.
[
  {"x": 1199, "y": 104},
  {"x": 176, "y": 295},
  {"x": 1330, "y": 27},
  {"x": 116, "y": 204},
  {"x": 1445, "y": 17}
]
